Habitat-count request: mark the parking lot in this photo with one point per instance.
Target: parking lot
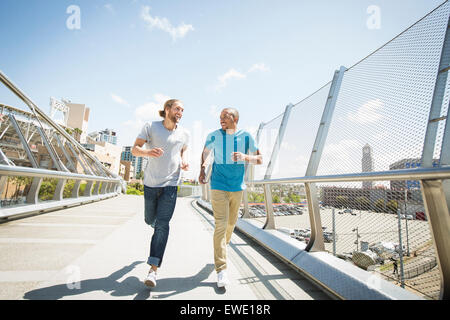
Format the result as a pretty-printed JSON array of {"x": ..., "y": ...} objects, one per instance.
[{"x": 368, "y": 226}]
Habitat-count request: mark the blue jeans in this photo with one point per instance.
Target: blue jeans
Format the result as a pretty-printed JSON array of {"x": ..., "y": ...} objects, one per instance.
[{"x": 159, "y": 206}]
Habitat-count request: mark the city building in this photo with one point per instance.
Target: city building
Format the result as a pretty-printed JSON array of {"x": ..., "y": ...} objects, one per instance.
[
  {"x": 78, "y": 119},
  {"x": 367, "y": 164},
  {"x": 75, "y": 117},
  {"x": 375, "y": 199},
  {"x": 407, "y": 164},
  {"x": 106, "y": 135},
  {"x": 139, "y": 163},
  {"x": 128, "y": 170},
  {"x": 107, "y": 153}
]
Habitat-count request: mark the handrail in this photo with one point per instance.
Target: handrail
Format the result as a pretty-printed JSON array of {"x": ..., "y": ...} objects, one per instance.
[
  {"x": 21, "y": 95},
  {"x": 44, "y": 173},
  {"x": 400, "y": 174}
]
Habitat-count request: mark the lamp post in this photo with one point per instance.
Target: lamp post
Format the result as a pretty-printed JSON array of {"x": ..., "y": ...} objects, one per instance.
[
  {"x": 402, "y": 275},
  {"x": 406, "y": 218},
  {"x": 357, "y": 237},
  {"x": 334, "y": 231}
]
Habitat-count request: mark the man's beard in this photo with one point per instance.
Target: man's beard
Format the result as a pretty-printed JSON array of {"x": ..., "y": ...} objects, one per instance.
[{"x": 173, "y": 118}]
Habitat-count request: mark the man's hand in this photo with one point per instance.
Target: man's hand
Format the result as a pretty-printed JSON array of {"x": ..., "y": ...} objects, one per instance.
[
  {"x": 184, "y": 166},
  {"x": 155, "y": 152},
  {"x": 202, "y": 176},
  {"x": 238, "y": 156}
]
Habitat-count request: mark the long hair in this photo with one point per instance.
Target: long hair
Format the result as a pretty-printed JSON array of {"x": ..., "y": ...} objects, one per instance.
[{"x": 168, "y": 105}]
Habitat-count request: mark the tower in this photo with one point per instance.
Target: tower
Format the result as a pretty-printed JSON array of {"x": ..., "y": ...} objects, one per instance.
[{"x": 367, "y": 164}]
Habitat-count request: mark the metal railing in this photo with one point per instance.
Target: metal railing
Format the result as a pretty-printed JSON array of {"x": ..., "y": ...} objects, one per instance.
[
  {"x": 42, "y": 166},
  {"x": 372, "y": 118}
]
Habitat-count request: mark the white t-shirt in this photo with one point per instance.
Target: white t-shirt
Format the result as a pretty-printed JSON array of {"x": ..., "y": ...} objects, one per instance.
[{"x": 165, "y": 170}]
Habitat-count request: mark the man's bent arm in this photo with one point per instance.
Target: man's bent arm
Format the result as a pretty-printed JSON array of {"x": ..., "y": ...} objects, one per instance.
[
  {"x": 138, "y": 149},
  {"x": 255, "y": 158},
  {"x": 205, "y": 154}
]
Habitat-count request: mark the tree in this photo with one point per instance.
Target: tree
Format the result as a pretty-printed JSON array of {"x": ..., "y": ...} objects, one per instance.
[
  {"x": 392, "y": 205},
  {"x": 342, "y": 201},
  {"x": 47, "y": 189},
  {"x": 140, "y": 175},
  {"x": 255, "y": 197},
  {"x": 276, "y": 199},
  {"x": 380, "y": 205},
  {"x": 363, "y": 203},
  {"x": 77, "y": 134}
]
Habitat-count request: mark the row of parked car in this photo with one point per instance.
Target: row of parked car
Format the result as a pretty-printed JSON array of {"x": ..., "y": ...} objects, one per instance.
[
  {"x": 305, "y": 235},
  {"x": 281, "y": 210}
]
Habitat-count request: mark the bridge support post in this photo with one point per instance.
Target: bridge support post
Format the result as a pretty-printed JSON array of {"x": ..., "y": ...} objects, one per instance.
[
  {"x": 270, "y": 220},
  {"x": 316, "y": 241},
  {"x": 59, "y": 191},
  {"x": 33, "y": 193},
  {"x": 88, "y": 189},
  {"x": 439, "y": 220}
]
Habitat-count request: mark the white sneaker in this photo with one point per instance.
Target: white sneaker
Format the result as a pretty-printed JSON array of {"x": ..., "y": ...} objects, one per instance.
[
  {"x": 222, "y": 279},
  {"x": 150, "y": 281}
]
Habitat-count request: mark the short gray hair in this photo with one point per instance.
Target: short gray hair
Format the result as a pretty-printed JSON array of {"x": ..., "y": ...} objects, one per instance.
[{"x": 234, "y": 112}]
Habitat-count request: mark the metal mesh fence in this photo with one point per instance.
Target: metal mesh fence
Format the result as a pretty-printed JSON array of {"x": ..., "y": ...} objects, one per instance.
[
  {"x": 380, "y": 229},
  {"x": 380, "y": 117},
  {"x": 378, "y": 124},
  {"x": 267, "y": 138}
]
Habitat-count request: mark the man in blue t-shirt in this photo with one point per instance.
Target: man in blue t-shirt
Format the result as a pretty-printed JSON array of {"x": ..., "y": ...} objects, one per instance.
[{"x": 233, "y": 149}]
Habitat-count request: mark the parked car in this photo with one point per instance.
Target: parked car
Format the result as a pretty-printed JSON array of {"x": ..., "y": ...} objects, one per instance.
[{"x": 348, "y": 211}]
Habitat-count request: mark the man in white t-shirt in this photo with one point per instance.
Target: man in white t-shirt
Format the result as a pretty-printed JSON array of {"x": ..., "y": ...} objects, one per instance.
[{"x": 167, "y": 144}]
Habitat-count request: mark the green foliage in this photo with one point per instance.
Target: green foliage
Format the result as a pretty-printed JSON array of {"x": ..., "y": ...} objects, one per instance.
[
  {"x": 380, "y": 205},
  {"x": 138, "y": 186},
  {"x": 82, "y": 187},
  {"x": 255, "y": 197},
  {"x": 342, "y": 201},
  {"x": 140, "y": 175},
  {"x": 134, "y": 191},
  {"x": 47, "y": 189},
  {"x": 392, "y": 206},
  {"x": 276, "y": 199},
  {"x": 363, "y": 203},
  {"x": 67, "y": 193}
]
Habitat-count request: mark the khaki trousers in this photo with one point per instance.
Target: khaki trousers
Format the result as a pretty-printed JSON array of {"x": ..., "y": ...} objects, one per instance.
[{"x": 225, "y": 208}]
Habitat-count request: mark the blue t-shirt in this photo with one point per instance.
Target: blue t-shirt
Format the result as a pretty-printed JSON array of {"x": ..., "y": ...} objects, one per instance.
[{"x": 228, "y": 175}]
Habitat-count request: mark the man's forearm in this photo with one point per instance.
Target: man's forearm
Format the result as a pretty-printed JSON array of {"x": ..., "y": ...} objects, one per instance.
[
  {"x": 253, "y": 159},
  {"x": 139, "y": 151},
  {"x": 205, "y": 155}
]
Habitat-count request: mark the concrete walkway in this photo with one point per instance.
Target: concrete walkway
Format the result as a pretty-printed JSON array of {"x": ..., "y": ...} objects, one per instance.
[{"x": 99, "y": 251}]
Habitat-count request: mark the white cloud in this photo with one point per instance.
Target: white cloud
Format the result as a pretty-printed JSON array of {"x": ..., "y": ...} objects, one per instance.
[
  {"x": 234, "y": 74},
  {"x": 165, "y": 25},
  {"x": 367, "y": 113},
  {"x": 258, "y": 67},
  {"x": 149, "y": 110},
  {"x": 341, "y": 157},
  {"x": 227, "y": 76},
  {"x": 110, "y": 8},
  {"x": 146, "y": 112},
  {"x": 119, "y": 100}
]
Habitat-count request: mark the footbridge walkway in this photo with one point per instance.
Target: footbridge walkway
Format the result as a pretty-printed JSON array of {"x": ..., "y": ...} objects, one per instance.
[{"x": 99, "y": 251}]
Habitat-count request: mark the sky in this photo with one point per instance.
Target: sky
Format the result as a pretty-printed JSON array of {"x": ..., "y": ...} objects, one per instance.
[{"x": 125, "y": 58}]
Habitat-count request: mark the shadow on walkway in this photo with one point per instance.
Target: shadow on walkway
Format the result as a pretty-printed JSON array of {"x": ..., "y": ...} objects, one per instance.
[{"x": 127, "y": 287}]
